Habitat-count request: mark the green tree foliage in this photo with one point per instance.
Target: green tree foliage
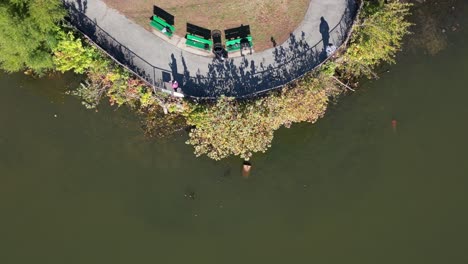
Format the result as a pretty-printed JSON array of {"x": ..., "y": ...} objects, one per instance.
[
  {"x": 71, "y": 54},
  {"x": 230, "y": 127},
  {"x": 377, "y": 38},
  {"x": 106, "y": 78},
  {"x": 28, "y": 32},
  {"x": 120, "y": 87}
]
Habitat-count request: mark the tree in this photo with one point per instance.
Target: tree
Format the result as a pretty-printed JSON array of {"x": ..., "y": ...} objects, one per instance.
[
  {"x": 229, "y": 128},
  {"x": 240, "y": 128},
  {"x": 28, "y": 33},
  {"x": 71, "y": 54}
]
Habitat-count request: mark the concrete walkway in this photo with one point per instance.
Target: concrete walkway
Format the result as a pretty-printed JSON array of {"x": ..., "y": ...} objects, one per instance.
[{"x": 158, "y": 61}]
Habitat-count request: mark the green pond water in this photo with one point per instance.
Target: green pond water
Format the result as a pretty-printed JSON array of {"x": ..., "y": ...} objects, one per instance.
[{"x": 87, "y": 187}]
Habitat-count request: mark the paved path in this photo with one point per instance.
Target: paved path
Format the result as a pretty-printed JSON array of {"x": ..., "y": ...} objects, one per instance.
[{"x": 159, "y": 61}]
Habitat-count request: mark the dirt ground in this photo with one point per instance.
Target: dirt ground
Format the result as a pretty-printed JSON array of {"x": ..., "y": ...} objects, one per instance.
[{"x": 271, "y": 21}]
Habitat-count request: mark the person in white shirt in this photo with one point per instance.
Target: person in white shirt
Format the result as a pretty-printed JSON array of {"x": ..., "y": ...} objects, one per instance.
[{"x": 330, "y": 49}]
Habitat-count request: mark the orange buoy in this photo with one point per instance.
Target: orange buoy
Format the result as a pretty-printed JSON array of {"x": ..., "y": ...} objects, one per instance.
[{"x": 394, "y": 124}]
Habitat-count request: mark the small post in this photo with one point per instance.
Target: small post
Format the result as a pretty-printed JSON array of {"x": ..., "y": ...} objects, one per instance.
[{"x": 154, "y": 76}]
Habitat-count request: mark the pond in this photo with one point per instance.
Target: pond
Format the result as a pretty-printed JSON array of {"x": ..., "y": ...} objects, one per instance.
[{"x": 78, "y": 186}]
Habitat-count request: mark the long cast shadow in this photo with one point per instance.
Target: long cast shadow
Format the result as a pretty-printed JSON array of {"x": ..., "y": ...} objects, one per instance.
[
  {"x": 106, "y": 42},
  {"x": 249, "y": 78},
  {"x": 324, "y": 29},
  {"x": 291, "y": 61}
]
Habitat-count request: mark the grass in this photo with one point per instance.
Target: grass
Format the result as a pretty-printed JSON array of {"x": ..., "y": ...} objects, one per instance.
[{"x": 267, "y": 18}]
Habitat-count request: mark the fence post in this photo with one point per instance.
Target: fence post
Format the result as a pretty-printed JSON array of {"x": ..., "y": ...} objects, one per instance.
[{"x": 154, "y": 76}]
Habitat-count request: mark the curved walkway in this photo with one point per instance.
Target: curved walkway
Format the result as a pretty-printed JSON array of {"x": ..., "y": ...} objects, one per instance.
[{"x": 158, "y": 61}]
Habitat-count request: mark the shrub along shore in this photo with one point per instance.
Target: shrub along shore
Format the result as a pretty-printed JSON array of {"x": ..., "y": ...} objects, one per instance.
[{"x": 36, "y": 38}]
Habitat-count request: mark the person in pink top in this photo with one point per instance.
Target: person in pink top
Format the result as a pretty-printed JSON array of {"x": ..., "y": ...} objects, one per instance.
[{"x": 175, "y": 85}]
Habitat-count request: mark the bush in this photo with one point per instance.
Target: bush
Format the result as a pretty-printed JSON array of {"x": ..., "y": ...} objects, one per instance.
[
  {"x": 230, "y": 127},
  {"x": 104, "y": 76},
  {"x": 70, "y": 54},
  {"x": 376, "y": 39}
]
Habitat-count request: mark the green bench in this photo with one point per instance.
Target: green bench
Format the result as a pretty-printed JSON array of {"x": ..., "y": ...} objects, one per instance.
[
  {"x": 238, "y": 38},
  {"x": 236, "y": 44},
  {"x": 160, "y": 24},
  {"x": 198, "y": 42}
]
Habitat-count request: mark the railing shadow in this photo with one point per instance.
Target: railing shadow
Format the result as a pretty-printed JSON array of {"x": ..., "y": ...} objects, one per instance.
[
  {"x": 290, "y": 63},
  {"x": 112, "y": 47},
  {"x": 223, "y": 78}
]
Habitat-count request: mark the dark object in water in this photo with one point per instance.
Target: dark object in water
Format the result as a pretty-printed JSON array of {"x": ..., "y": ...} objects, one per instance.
[
  {"x": 227, "y": 172},
  {"x": 189, "y": 194}
]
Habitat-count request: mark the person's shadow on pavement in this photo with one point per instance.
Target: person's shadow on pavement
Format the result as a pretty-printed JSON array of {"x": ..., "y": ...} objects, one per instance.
[
  {"x": 173, "y": 65},
  {"x": 325, "y": 31}
]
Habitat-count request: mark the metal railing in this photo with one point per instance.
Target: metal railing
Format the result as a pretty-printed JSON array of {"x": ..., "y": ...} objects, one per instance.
[
  {"x": 246, "y": 80},
  {"x": 290, "y": 64},
  {"x": 114, "y": 49}
]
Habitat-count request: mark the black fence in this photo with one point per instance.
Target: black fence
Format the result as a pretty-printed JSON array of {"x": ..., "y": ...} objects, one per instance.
[
  {"x": 152, "y": 75},
  {"x": 291, "y": 61}
]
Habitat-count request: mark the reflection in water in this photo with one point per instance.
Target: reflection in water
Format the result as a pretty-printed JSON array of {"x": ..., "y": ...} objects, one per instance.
[{"x": 394, "y": 125}]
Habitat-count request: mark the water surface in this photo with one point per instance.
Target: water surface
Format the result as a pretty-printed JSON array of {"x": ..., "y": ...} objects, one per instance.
[{"x": 78, "y": 186}]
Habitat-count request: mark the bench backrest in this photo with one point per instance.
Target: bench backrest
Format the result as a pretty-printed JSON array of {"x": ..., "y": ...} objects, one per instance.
[
  {"x": 164, "y": 15},
  {"x": 238, "y": 32},
  {"x": 199, "y": 31}
]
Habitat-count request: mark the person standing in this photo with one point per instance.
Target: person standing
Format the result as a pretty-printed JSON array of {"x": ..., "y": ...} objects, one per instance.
[
  {"x": 330, "y": 49},
  {"x": 246, "y": 167},
  {"x": 175, "y": 85}
]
